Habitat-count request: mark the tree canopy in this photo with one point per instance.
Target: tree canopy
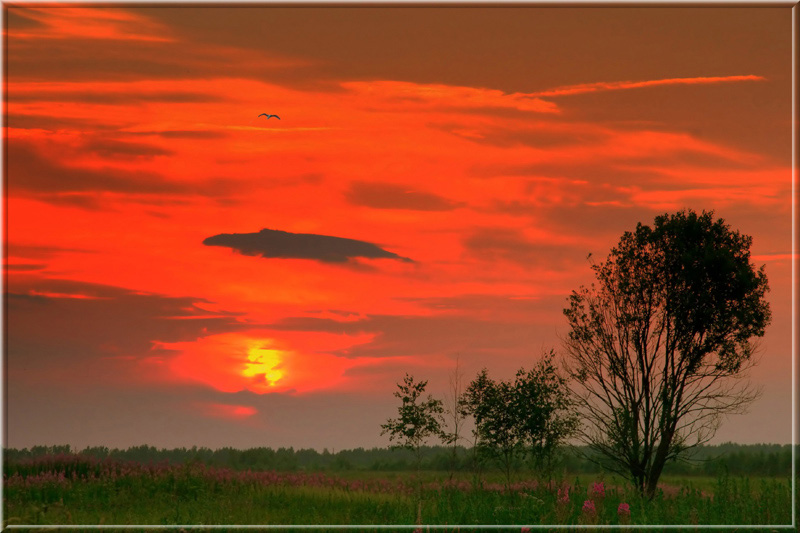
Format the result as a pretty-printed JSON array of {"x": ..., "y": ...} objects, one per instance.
[{"x": 657, "y": 344}]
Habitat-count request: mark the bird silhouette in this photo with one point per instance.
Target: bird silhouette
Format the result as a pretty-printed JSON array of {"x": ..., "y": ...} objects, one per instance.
[{"x": 269, "y": 116}]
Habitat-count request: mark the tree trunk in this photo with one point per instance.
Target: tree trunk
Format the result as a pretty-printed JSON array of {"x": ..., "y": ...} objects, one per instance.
[{"x": 658, "y": 464}]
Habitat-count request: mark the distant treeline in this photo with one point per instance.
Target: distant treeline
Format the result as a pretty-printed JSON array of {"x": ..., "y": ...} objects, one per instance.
[{"x": 734, "y": 459}]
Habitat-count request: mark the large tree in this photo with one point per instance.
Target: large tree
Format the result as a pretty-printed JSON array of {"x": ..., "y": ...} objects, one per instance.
[{"x": 659, "y": 345}]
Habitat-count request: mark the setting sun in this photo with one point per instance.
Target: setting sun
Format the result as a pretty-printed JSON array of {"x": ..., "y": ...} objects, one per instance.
[{"x": 264, "y": 362}]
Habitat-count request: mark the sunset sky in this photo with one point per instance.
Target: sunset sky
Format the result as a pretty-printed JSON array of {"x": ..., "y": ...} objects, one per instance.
[{"x": 181, "y": 271}]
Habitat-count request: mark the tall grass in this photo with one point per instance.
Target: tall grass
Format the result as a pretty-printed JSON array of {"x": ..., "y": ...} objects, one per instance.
[{"x": 77, "y": 490}]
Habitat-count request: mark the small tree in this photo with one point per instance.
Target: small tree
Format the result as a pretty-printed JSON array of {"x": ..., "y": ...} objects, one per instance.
[
  {"x": 544, "y": 410},
  {"x": 530, "y": 416},
  {"x": 456, "y": 413},
  {"x": 491, "y": 403},
  {"x": 656, "y": 347},
  {"x": 418, "y": 418}
]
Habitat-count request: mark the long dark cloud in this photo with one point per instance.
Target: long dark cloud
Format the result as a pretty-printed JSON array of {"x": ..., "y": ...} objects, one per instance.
[
  {"x": 394, "y": 196},
  {"x": 282, "y": 244}
]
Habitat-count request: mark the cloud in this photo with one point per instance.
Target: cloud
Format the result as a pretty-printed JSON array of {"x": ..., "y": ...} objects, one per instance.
[
  {"x": 541, "y": 135},
  {"x": 23, "y": 121},
  {"x": 583, "y": 88},
  {"x": 69, "y": 22},
  {"x": 282, "y": 244},
  {"x": 31, "y": 173},
  {"x": 508, "y": 244},
  {"x": 33, "y": 251},
  {"x": 403, "y": 96},
  {"x": 29, "y": 170},
  {"x": 112, "y": 149},
  {"x": 62, "y": 94},
  {"x": 24, "y": 267},
  {"x": 76, "y": 330},
  {"x": 433, "y": 336},
  {"x": 222, "y": 410},
  {"x": 129, "y": 49},
  {"x": 182, "y": 134},
  {"x": 394, "y": 196}
]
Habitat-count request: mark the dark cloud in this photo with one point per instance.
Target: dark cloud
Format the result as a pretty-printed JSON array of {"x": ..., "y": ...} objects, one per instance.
[
  {"x": 17, "y": 18},
  {"x": 48, "y": 123},
  {"x": 114, "y": 98},
  {"x": 182, "y": 134},
  {"x": 88, "y": 59},
  {"x": 24, "y": 267},
  {"x": 33, "y": 251},
  {"x": 597, "y": 172},
  {"x": 424, "y": 336},
  {"x": 644, "y": 171},
  {"x": 62, "y": 324},
  {"x": 55, "y": 124},
  {"x": 275, "y": 243},
  {"x": 609, "y": 221},
  {"x": 494, "y": 244},
  {"x": 392, "y": 196},
  {"x": 447, "y": 43},
  {"x": 543, "y": 135},
  {"x": 743, "y": 116},
  {"x": 124, "y": 150},
  {"x": 30, "y": 172}
]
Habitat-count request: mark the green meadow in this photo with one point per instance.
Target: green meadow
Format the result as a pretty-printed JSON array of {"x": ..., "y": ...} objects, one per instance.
[{"x": 76, "y": 489}]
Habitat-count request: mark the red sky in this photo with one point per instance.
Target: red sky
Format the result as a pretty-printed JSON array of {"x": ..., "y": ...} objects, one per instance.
[{"x": 432, "y": 189}]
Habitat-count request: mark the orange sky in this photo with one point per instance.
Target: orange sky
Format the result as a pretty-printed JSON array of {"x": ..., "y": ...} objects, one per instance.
[{"x": 432, "y": 189}]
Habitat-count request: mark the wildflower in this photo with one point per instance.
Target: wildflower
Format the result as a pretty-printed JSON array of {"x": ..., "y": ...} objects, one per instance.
[
  {"x": 563, "y": 495},
  {"x": 588, "y": 507},
  {"x": 624, "y": 513},
  {"x": 525, "y": 530},
  {"x": 597, "y": 491}
]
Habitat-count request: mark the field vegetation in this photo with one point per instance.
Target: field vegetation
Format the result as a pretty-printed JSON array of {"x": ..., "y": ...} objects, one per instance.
[{"x": 148, "y": 486}]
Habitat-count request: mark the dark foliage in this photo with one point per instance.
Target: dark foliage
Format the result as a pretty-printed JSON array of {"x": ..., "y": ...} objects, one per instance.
[{"x": 658, "y": 346}]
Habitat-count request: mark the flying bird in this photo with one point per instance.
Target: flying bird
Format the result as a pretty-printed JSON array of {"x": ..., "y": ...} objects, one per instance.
[{"x": 269, "y": 116}]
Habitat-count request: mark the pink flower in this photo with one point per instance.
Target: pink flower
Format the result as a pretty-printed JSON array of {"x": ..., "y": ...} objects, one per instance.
[
  {"x": 525, "y": 530},
  {"x": 588, "y": 507},
  {"x": 563, "y": 495},
  {"x": 624, "y": 509},
  {"x": 597, "y": 490}
]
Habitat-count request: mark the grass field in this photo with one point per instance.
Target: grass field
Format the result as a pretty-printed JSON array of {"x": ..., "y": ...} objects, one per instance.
[{"x": 75, "y": 490}]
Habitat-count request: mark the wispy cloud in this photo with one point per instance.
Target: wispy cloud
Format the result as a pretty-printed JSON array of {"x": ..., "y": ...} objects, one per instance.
[
  {"x": 415, "y": 96},
  {"x": 567, "y": 90},
  {"x": 70, "y": 22},
  {"x": 221, "y": 410}
]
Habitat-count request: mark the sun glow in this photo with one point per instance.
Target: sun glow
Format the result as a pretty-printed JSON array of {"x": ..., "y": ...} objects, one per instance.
[{"x": 264, "y": 361}]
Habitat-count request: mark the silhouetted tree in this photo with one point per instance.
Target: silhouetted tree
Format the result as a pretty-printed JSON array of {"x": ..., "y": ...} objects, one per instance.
[
  {"x": 658, "y": 345},
  {"x": 527, "y": 417},
  {"x": 456, "y": 413},
  {"x": 491, "y": 403},
  {"x": 418, "y": 420},
  {"x": 544, "y": 412}
]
